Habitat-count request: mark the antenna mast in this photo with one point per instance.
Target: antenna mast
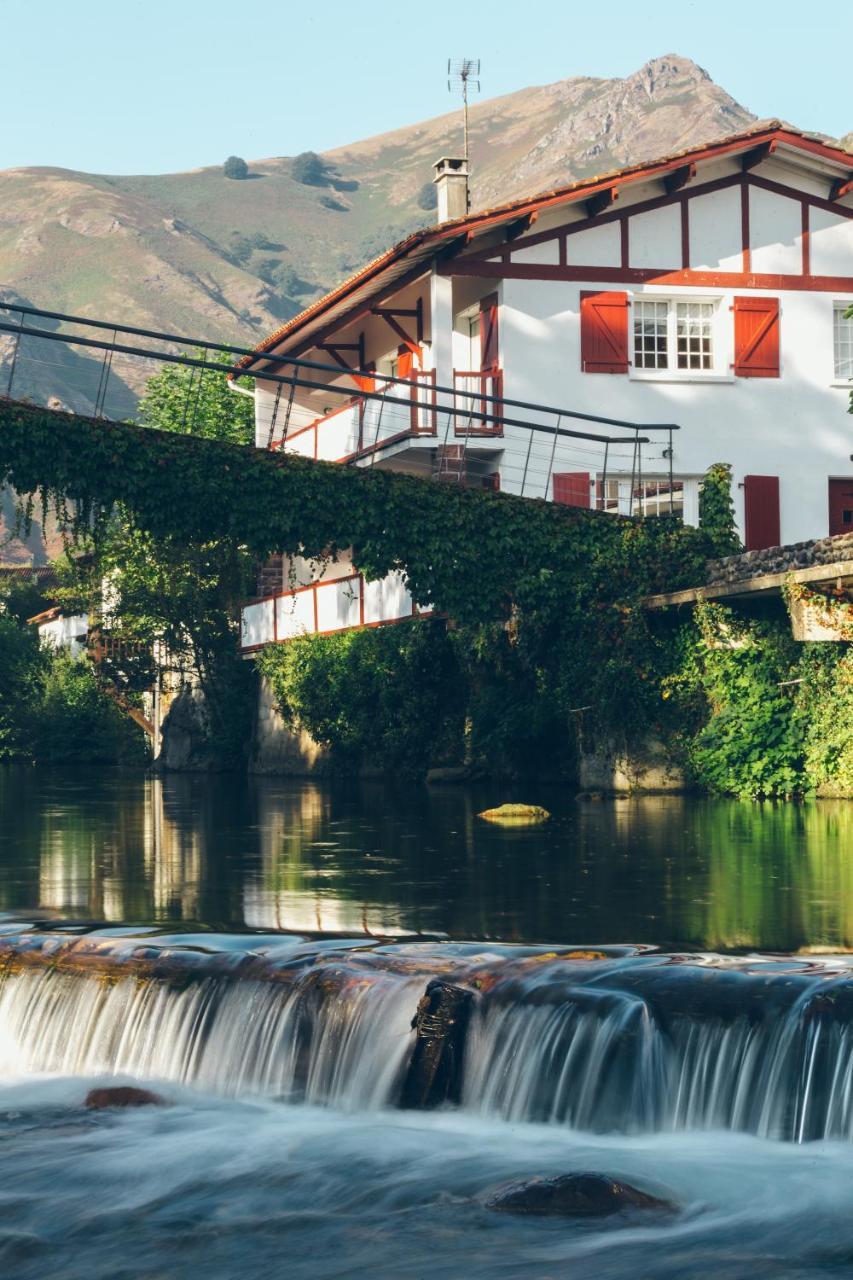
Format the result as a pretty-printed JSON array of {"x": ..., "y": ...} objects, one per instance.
[{"x": 460, "y": 73}]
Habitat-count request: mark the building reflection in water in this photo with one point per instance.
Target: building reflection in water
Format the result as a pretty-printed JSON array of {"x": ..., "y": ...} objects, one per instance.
[{"x": 271, "y": 853}]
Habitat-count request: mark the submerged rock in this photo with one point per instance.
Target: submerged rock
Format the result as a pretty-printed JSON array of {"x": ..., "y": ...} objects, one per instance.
[
  {"x": 513, "y": 815},
  {"x": 574, "y": 1195},
  {"x": 122, "y": 1096},
  {"x": 435, "y": 1068}
]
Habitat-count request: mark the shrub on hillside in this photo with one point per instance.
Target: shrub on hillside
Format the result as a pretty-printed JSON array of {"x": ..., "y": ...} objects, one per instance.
[
  {"x": 235, "y": 167},
  {"x": 428, "y": 197},
  {"x": 309, "y": 169}
]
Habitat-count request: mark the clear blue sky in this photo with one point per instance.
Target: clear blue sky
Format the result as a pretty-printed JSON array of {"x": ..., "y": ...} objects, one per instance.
[{"x": 151, "y": 86}]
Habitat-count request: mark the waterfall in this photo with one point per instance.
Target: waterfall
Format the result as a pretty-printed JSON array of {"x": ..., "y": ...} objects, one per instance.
[
  {"x": 347, "y": 1046},
  {"x": 614, "y": 1042}
]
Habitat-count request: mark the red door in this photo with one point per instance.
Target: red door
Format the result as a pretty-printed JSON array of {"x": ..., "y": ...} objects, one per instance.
[
  {"x": 841, "y": 506},
  {"x": 761, "y": 512}
]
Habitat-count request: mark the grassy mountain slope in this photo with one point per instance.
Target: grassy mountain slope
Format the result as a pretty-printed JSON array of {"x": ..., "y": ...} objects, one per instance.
[{"x": 170, "y": 251}]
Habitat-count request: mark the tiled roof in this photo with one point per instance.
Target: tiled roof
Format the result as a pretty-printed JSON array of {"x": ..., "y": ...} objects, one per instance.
[{"x": 435, "y": 236}]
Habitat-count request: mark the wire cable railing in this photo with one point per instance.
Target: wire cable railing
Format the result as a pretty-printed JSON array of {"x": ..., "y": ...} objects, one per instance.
[{"x": 461, "y": 433}]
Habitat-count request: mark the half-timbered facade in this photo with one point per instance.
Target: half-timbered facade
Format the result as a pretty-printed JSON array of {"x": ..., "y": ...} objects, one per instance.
[{"x": 707, "y": 290}]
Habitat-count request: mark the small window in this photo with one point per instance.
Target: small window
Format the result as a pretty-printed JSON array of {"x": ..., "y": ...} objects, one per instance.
[
  {"x": 650, "y": 497},
  {"x": 674, "y": 335},
  {"x": 843, "y": 341}
]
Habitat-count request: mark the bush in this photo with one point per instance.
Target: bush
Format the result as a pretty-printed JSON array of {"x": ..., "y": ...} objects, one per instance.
[
  {"x": 390, "y": 696},
  {"x": 338, "y": 206},
  {"x": 752, "y": 743},
  {"x": 21, "y": 662},
  {"x": 235, "y": 167},
  {"x": 309, "y": 169},
  {"x": 428, "y": 197},
  {"x": 74, "y": 721}
]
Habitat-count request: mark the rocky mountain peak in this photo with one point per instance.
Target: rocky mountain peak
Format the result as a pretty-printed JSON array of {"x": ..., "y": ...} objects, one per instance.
[{"x": 660, "y": 76}]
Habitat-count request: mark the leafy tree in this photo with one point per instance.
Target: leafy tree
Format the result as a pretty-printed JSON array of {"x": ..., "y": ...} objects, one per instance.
[
  {"x": 162, "y": 590},
  {"x": 235, "y": 167},
  {"x": 198, "y": 402},
  {"x": 428, "y": 197},
  {"x": 309, "y": 169},
  {"x": 20, "y": 665}
]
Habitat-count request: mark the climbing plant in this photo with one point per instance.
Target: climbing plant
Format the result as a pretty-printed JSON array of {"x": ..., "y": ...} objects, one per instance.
[
  {"x": 717, "y": 510},
  {"x": 544, "y": 598}
]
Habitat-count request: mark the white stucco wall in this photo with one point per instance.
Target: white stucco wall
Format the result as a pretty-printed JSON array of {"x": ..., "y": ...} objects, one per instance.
[{"x": 795, "y": 426}]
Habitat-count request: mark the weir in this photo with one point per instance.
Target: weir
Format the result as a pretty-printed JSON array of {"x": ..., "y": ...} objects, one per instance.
[{"x": 615, "y": 1040}]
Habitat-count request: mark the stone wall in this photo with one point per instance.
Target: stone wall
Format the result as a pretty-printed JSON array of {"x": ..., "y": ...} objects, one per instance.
[{"x": 799, "y": 555}]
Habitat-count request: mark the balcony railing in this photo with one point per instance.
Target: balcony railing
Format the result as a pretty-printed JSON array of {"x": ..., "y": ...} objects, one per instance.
[
  {"x": 477, "y": 408},
  {"x": 321, "y": 608}
]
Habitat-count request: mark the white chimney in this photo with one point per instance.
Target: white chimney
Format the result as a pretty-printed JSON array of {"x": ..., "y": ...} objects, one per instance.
[{"x": 451, "y": 179}]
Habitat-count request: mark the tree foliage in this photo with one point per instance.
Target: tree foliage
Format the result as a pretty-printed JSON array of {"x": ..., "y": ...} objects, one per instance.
[
  {"x": 717, "y": 510},
  {"x": 309, "y": 169},
  {"x": 428, "y": 197},
  {"x": 235, "y": 167}
]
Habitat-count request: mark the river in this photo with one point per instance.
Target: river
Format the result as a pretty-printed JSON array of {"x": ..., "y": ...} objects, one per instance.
[{"x": 650, "y": 1000}]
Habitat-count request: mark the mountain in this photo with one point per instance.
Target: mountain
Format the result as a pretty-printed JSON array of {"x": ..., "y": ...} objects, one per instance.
[
  {"x": 203, "y": 254},
  {"x": 227, "y": 260}
]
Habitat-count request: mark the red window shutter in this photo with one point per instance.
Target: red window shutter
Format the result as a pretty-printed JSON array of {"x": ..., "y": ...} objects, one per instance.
[
  {"x": 756, "y": 337},
  {"x": 761, "y": 512},
  {"x": 571, "y": 488},
  {"x": 492, "y": 481},
  {"x": 489, "y": 355},
  {"x": 604, "y": 332},
  {"x": 405, "y": 362}
]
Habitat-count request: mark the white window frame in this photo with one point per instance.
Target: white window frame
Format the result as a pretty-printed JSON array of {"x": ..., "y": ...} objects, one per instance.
[
  {"x": 619, "y": 489},
  {"x": 839, "y": 379},
  {"x": 720, "y": 370}
]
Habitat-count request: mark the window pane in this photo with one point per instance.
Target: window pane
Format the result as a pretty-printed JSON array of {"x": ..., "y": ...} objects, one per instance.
[
  {"x": 659, "y": 498},
  {"x": 843, "y": 344},
  {"x": 693, "y": 329},
  {"x": 650, "y": 346}
]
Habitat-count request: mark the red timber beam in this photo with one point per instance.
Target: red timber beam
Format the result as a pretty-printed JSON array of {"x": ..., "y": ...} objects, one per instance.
[
  {"x": 601, "y": 201},
  {"x": 756, "y": 155},
  {"x": 393, "y": 317},
  {"x": 841, "y": 187},
  {"x": 679, "y": 178}
]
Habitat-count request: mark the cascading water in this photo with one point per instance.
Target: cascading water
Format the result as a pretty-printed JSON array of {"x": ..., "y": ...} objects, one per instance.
[
  {"x": 234, "y": 1038},
  {"x": 615, "y": 1041}
]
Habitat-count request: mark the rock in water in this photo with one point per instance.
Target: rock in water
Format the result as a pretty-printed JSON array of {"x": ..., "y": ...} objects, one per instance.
[
  {"x": 575, "y": 1195},
  {"x": 435, "y": 1069},
  {"x": 122, "y": 1096},
  {"x": 516, "y": 815}
]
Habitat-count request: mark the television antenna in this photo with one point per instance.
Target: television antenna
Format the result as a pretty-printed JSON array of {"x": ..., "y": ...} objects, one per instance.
[{"x": 462, "y": 72}]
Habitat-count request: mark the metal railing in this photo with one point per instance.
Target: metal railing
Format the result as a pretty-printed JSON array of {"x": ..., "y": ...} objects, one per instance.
[{"x": 54, "y": 366}]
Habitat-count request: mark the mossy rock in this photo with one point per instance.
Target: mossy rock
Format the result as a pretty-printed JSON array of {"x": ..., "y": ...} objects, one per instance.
[{"x": 516, "y": 815}]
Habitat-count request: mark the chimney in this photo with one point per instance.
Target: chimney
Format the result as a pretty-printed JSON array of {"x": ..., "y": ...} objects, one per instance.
[{"x": 451, "y": 179}]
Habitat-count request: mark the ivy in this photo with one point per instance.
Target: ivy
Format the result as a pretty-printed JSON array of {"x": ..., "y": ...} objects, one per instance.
[
  {"x": 545, "y": 598},
  {"x": 717, "y": 510},
  {"x": 389, "y": 697}
]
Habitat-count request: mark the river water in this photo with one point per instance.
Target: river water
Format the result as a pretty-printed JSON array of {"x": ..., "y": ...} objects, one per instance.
[{"x": 674, "y": 1022}]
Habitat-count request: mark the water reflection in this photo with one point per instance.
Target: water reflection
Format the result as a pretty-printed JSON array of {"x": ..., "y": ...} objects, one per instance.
[{"x": 268, "y": 853}]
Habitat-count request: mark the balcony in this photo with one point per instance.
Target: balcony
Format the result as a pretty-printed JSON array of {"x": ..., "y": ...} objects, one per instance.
[{"x": 322, "y": 608}]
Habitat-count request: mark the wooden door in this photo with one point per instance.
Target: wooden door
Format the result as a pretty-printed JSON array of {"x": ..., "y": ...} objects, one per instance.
[{"x": 841, "y": 506}]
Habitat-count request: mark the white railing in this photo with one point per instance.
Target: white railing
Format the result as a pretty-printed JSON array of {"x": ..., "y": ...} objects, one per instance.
[{"x": 321, "y": 608}]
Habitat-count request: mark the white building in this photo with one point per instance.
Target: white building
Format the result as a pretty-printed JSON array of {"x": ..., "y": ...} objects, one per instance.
[{"x": 706, "y": 290}]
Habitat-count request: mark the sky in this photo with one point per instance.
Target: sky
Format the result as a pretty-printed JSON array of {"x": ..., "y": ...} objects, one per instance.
[{"x": 155, "y": 86}]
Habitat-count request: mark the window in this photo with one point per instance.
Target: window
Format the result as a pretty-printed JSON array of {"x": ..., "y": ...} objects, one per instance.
[
  {"x": 842, "y": 335},
  {"x": 474, "y": 341},
  {"x": 672, "y": 335},
  {"x": 650, "y": 497}
]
